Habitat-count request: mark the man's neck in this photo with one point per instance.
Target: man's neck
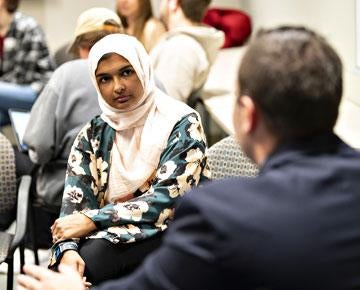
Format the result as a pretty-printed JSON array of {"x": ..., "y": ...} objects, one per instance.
[
  {"x": 179, "y": 20},
  {"x": 265, "y": 145}
]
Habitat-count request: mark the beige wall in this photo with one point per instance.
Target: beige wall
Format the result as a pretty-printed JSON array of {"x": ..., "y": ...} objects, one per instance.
[
  {"x": 335, "y": 19},
  {"x": 227, "y": 3},
  {"x": 58, "y": 17}
]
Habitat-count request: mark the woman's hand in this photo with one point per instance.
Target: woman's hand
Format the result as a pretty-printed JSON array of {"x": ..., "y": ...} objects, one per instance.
[
  {"x": 76, "y": 225},
  {"x": 73, "y": 259}
]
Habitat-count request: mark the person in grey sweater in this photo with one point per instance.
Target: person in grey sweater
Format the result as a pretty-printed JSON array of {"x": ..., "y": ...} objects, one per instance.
[{"x": 68, "y": 101}]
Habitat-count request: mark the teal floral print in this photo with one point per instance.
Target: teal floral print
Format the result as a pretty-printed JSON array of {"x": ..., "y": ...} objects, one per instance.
[{"x": 182, "y": 165}]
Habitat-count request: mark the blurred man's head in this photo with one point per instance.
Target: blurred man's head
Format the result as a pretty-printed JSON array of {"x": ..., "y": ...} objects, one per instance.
[
  {"x": 192, "y": 10},
  {"x": 292, "y": 79},
  {"x": 92, "y": 25}
]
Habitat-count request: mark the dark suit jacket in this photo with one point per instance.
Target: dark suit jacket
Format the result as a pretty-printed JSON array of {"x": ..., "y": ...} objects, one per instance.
[{"x": 295, "y": 226}]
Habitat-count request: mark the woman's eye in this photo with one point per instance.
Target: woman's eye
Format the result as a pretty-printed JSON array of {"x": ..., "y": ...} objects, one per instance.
[
  {"x": 127, "y": 72},
  {"x": 103, "y": 80}
]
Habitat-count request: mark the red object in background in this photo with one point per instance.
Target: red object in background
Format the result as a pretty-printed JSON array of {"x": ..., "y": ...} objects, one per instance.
[{"x": 235, "y": 24}]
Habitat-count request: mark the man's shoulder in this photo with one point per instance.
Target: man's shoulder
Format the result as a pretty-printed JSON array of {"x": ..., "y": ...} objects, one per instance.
[
  {"x": 177, "y": 48},
  {"x": 70, "y": 66},
  {"x": 73, "y": 76},
  {"x": 219, "y": 195},
  {"x": 180, "y": 41},
  {"x": 284, "y": 181}
]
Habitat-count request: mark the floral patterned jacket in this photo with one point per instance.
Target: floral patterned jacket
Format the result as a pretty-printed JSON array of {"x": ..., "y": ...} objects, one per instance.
[{"x": 183, "y": 164}]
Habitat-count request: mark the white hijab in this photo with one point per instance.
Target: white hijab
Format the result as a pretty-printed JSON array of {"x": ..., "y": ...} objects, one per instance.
[{"x": 142, "y": 131}]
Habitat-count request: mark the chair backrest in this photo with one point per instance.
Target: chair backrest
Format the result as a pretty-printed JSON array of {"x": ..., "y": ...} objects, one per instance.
[
  {"x": 7, "y": 176},
  {"x": 226, "y": 159}
]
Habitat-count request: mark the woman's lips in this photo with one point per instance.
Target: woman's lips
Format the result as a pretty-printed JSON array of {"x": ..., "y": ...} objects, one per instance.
[{"x": 122, "y": 99}]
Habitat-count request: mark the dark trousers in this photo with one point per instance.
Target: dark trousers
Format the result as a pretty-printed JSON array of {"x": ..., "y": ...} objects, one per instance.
[
  {"x": 105, "y": 260},
  {"x": 43, "y": 220}
]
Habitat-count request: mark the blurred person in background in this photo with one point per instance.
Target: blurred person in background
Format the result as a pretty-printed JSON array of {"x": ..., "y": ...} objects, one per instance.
[
  {"x": 25, "y": 62},
  {"x": 183, "y": 57},
  {"x": 138, "y": 20}
]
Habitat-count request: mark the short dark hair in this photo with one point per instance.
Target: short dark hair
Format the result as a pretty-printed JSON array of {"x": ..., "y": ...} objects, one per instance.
[
  {"x": 194, "y": 9},
  {"x": 11, "y": 5},
  {"x": 295, "y": 78}
]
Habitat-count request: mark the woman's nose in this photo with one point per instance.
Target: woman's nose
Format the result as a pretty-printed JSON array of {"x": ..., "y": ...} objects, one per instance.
[{"x": 119, "y": 85}]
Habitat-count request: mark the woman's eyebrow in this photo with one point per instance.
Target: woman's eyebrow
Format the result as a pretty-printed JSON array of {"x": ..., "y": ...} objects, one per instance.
[
  {"x": 126, "y": 67},
  {"x": 101, "y": 74}
]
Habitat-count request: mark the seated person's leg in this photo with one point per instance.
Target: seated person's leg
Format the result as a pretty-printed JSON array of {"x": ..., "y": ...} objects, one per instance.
[
  {"x": 23, "y": 164},
  {"x": 14, "y": 96},
  {"x": 105, "y": 260},
  {"x": 43, "y": 220},
  {"x": 6, "y": 218}
]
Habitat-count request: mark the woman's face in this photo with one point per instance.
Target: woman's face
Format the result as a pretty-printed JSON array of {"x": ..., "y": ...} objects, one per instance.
[
  {"x": 118, "y": 82},
  {"x": 128, "y": 8}
]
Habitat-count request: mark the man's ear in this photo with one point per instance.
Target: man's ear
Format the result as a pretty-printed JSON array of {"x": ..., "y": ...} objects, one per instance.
[{"x": 250, "y": 114}]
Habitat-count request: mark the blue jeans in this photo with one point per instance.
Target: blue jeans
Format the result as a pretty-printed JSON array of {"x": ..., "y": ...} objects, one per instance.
[{"x": 14, "y": 96}]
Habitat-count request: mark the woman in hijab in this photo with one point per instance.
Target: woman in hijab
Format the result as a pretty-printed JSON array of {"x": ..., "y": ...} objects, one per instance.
[{"x": 127, "y": 167}]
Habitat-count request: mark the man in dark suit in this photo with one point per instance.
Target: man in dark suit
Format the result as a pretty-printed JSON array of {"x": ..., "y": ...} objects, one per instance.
[{"x": 295, "y": 226}]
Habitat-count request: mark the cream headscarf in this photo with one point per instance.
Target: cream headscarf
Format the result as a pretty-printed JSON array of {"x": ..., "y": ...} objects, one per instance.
[{"x": 142, "y": 131}]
